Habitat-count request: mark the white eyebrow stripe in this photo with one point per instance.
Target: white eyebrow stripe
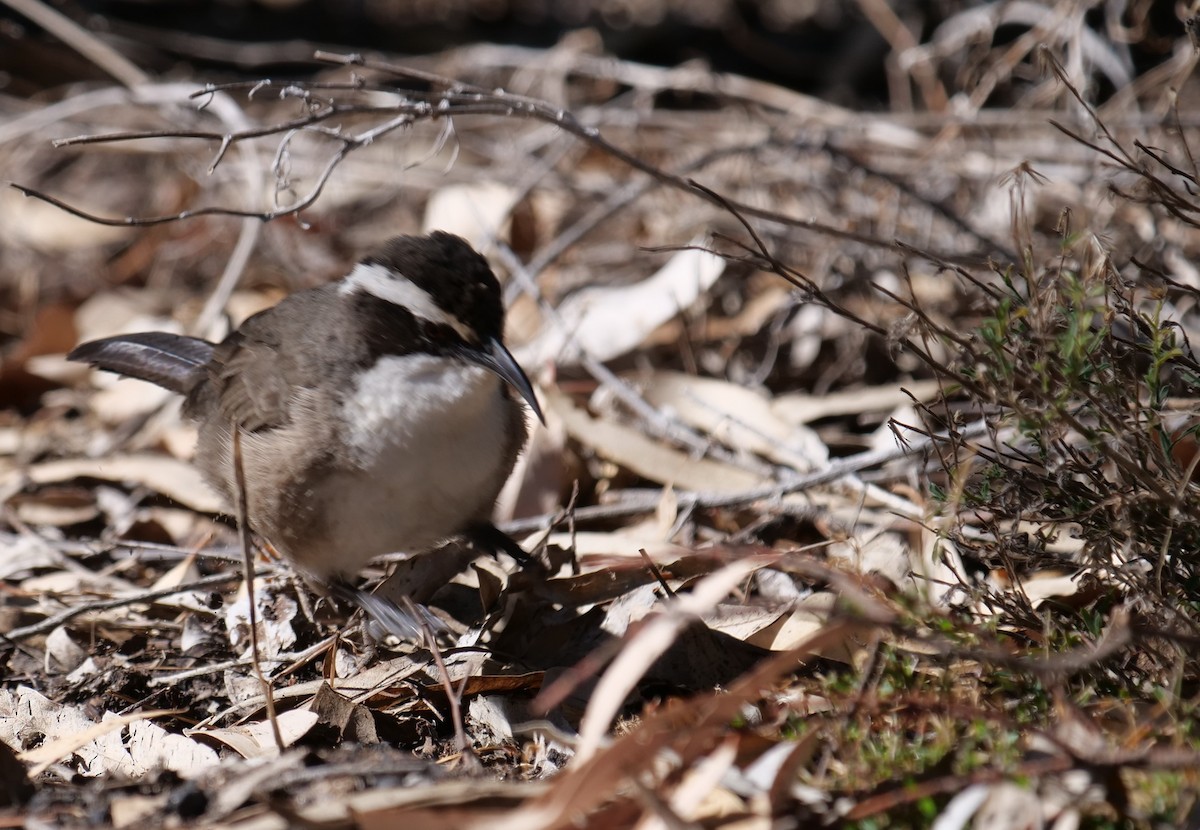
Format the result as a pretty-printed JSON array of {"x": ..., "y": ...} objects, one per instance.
[{"x": 391, "y": 286}]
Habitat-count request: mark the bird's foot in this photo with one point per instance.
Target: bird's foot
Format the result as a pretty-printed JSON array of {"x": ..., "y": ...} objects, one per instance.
[
  {"x": 412, "y": 624},
  {"x": 487, "y": 537}
]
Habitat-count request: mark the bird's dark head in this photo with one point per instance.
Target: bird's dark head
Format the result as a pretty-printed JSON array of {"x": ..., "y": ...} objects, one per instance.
[
  {"x": 448, "y": 292},
  {"x": 439, "y": 279}
]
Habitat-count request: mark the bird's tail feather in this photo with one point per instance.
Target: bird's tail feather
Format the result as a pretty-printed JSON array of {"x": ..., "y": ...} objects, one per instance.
[{"x": 172, "y": 361}]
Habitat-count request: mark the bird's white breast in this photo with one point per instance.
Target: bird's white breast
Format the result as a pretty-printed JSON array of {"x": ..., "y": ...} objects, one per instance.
[{"x": 425, "y": 438}]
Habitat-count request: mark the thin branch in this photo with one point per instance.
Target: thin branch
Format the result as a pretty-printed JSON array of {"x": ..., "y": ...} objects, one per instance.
[
  {"x": 457, "y": 100},
  {"x": 243, "y": 517},
  {"x": 841, "y": 468},
  {"x": 51, "y": 623}
]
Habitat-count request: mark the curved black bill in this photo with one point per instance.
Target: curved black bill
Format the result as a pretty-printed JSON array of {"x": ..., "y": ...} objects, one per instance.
[{"x": 494, "y": 356}]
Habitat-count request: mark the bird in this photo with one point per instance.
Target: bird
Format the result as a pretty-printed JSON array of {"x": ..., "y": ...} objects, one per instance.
[{"x": 378, "y": 413}]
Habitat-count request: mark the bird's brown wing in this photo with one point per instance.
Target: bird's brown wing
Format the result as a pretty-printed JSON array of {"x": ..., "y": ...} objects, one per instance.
[
  {"x": 255, "y": 381},
  {"x": 253, "y": 390}
]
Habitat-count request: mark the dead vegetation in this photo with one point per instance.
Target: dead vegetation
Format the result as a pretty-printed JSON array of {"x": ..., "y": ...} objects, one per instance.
[{"x": 867, "y": 486}]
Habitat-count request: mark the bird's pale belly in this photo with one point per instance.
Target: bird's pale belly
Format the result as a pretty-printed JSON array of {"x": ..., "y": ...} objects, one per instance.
[
  {"x": 403, "y": 505},
  {"x": 427, "y": 455}
]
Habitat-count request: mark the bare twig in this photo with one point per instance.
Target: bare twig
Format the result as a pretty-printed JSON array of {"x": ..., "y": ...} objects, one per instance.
[
  {"x": 243, "y": 516},
  {"x": 453, "y": 696},
  {"x": 451, "y": 99},
  {"x": 51, "y": 623},
  {"x": 646, "y": 502}
]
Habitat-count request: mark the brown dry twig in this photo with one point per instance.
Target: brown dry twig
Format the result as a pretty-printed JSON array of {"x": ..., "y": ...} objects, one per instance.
[
  {"x": 50, "y": 623},
  {"x": 450, "y": 100}
]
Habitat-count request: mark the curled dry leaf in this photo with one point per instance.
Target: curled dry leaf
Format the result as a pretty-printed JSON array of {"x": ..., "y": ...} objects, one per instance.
[
  {"x": 26, "y": 554},
  {"x": 760, "y": 306},
  {"x": 185, "y": 571},
  {"x": 936, "y": 568},
  {"x": 153, "y": 747},
  {"x": 77, "y": 581},
  {"x": 806, "y": 332},
  {"x": 275, "y": 614},
  {"x": 118, "y": 402},
  {"x": 174, "y": 479},
  {"x": 1044, "y": 586},
  {"x": 699, "y": 794},
  {"x": 349, "y": 720},
  {"x": 55, "y": 507},
  {"x": 802, "y": 408},
  {"x": 741, "y": 418},
  {"x": 491, "y": 713},
  {"x": 809, "y": 616},
  {"x": 63, "y": 654},
  {"x": 478, "y": 211},
  {"x": 130, "y": 810},
  {"x": 962, "y": 807},
  {"x": 173, "y": 524},
  {"x": 257, "y": 740},
  {"x": 629, "y": 607},
  {"x": 742, "y": 621},
  {"x": 871, "y": 551},
  {"x": 633, "y": 450},
  {"x": 626, "y": 544},
  {"x": 477, "y": 804},
  {"x": 604, "y": 323},
  {"x": 97, "y": 748},
  {"x": 1009, "y": 806}
]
